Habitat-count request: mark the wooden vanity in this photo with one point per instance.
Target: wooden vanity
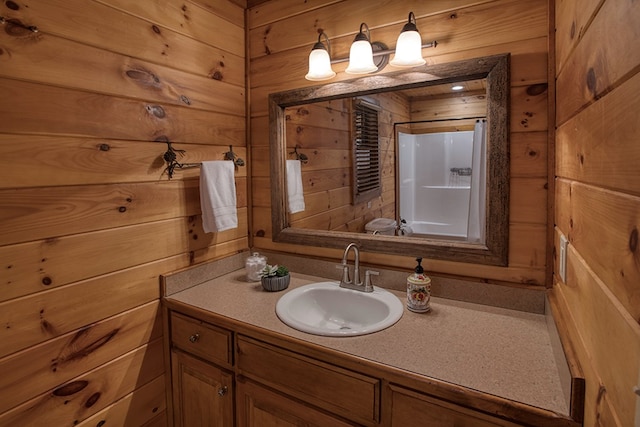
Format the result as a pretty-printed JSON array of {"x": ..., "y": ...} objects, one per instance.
[{"x": 234, "y": 363}]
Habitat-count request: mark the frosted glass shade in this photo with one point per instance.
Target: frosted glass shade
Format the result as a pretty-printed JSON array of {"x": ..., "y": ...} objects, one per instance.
[
  {"x": 408, "y": 50},
  {"x": 319, "y": 66},
  {"x": 361, "y": 58}
]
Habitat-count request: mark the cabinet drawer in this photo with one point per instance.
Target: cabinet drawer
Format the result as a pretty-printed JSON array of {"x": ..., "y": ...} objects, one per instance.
[
  {"x": 349, "y": 394},
  {"x": 202, "y": 339}
]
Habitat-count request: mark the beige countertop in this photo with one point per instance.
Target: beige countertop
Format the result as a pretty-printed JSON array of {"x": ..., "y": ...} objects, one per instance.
[{"x": 503, "y": 352}]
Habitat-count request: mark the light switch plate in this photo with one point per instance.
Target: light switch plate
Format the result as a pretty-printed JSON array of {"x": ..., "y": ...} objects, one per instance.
[{"x": 563, "y": 258}]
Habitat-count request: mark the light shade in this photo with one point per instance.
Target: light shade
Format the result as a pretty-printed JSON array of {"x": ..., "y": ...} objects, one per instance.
[
  {"x": 409, "y": 46},
  {"x": 320, "y": 62},
  {"x": 319, "y": 66},
  {"x": 361, "y": 54}
]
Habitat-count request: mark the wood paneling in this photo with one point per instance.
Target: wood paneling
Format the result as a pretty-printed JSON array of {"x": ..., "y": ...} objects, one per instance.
[
  {"x": 87, "y": 394},
  {"x": 64, "y": 161},
  {"x": 444, "y": 107},
  {"x": 605, "y": 156},
  {"x": 598, "y": 199},
  {"x": 222, "y": 29},
  {"x": 528, "y": 155},
  {"x": 135, "y": 409},
  {"x": 31, "y": 213},
  {"x": 605, "y": 234},
  {"x": 282, "y": 32},
  {"x": 89, "y": 218},
  {"x": 608, "y": 343},
  {"x": 78, "y": 113},
  {"x": 594, "y": 66},
  {"x": 322, "y": 133},
  {"x": 152, "y": 38},
  {"x": 61, "y": 359},
  {"x": 572, "y": 20},
  {"x": 62, "y": 62},
  {"x": 57, "y": 261}
]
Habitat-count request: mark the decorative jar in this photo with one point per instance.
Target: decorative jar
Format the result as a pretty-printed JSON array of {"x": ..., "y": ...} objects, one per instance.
[
  {"x": 418, "y": 293},
  {"x": 254, "y": 265}
]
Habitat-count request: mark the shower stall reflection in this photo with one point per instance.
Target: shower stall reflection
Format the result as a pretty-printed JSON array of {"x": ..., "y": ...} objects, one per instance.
[{"x": 442, "y": 183}]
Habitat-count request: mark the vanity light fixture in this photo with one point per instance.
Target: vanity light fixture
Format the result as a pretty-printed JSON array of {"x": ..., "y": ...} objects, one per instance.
[
  {"x": 408, "y": 46},
  {"x": 366, "y": 56},
  {"x": 320, "y": 61},
  {"x": 457, "y": 87}
]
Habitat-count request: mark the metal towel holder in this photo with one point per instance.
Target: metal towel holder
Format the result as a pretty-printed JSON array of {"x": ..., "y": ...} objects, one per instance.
[{"x": 171, "y": 157}]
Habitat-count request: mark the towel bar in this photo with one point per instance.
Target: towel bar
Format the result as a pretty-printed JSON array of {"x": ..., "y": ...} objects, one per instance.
[{"x": 171, "y": 157}]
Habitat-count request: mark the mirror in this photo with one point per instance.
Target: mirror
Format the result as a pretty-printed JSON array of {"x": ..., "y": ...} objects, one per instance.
[{"x": 491, "y": 249}]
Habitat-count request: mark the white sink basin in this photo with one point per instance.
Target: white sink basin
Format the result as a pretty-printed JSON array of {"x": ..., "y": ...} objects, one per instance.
[{"x": 324, "y": 308}]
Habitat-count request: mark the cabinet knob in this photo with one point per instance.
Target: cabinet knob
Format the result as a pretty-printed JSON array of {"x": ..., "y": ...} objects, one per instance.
[
  {"x": 194, "y": 338},
  {"x": 222, "y": 390}
]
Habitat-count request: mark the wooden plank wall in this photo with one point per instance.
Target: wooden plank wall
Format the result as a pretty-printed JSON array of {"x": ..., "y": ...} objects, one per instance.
[
  {"x": 88, "y": 220},
  {"x": 282, "y": 32},
  {"x": 598, "y": 199}
]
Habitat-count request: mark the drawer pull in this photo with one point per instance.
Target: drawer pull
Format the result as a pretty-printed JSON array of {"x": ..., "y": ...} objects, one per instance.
[
  {"x": 222, "y": 391},
  {"x": 194, "y": 338}
]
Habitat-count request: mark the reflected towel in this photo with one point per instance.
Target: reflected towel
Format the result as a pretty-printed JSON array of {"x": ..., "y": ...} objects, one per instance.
[
  {"x": 295, "y": 195},
  {"x": 218, "y": 196}
]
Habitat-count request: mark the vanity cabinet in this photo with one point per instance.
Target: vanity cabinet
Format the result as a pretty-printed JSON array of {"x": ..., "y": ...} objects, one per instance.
[
  {"x": 228, "y": 373},
  {"x": 202, "y": 389}
]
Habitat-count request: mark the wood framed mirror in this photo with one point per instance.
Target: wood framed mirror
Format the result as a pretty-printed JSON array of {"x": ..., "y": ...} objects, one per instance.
[{"x": 493, "y": 250}]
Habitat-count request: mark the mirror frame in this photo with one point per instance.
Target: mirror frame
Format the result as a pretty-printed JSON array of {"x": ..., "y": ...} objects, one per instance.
[{"x": 495, "y": 249}]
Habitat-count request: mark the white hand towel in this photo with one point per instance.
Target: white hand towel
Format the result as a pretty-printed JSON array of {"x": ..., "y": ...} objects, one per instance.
[
  {"x": 295, "y": 195},
  {"x": 218, "y": 196}
]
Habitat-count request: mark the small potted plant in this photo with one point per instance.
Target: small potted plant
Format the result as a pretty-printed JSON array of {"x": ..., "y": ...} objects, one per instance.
[{"x": 275, "y": 278}]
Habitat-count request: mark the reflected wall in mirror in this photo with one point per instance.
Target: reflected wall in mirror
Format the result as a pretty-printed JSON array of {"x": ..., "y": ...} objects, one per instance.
[{"x": 318, "y": 123}]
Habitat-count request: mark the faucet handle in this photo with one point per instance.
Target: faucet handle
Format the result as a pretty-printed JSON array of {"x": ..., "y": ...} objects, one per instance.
[{"x": 368, "y": 286}]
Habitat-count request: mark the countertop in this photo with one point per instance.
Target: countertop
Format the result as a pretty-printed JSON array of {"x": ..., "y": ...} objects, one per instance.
[{"x": 506, "y": 353}]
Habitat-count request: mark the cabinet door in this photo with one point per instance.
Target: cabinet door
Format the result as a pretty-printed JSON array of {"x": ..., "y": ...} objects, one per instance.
[
  {"x": 415, "y": 409},
  {"x": 202, "y": 393},
  {"x": 258, "y": 406}
]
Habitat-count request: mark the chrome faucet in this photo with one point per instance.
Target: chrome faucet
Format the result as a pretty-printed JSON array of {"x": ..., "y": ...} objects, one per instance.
[{"x": 356, "y": 284}]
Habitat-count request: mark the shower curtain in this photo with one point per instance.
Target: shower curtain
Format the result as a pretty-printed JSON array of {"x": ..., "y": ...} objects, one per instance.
[{"x": 476, "y": 225}]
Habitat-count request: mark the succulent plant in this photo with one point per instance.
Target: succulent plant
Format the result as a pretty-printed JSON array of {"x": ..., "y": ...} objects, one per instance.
[{"x": 274, "y": 271}]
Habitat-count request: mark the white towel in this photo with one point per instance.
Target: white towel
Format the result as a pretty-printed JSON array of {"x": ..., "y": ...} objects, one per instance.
[
  {"x": 295, "y": 195},
  {"x": 218, "y": 196}
]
